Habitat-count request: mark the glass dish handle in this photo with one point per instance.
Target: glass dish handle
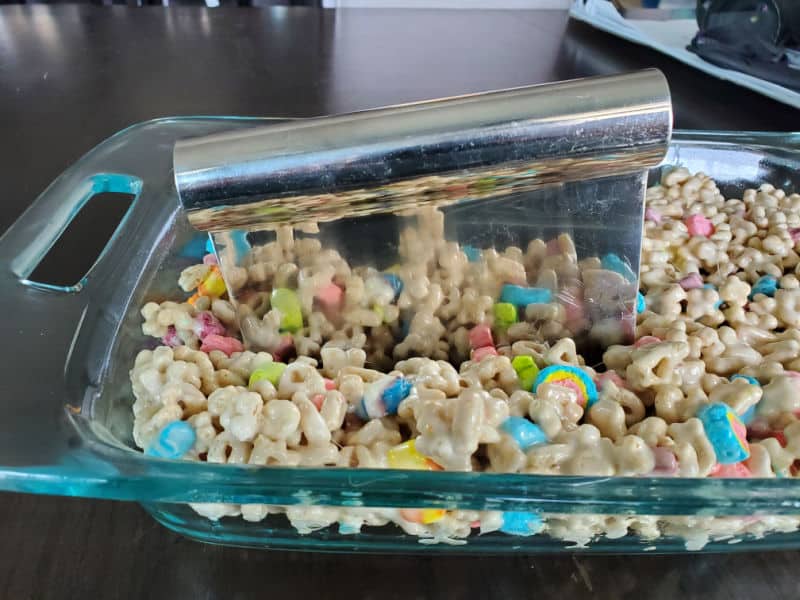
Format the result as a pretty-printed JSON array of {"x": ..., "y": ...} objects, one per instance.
[{"x": 51, "y": 331}]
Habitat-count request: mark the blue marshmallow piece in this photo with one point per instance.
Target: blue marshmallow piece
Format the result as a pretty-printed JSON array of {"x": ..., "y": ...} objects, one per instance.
[
  {"x": 522, "y": 296},
  {"x": 473, "y": 253},
  {"x": 525, "y": 433},
  {"x": 766, "y": 284},
  {"x": 239, "y": 241},
  {"x": 396, "y": 283},
  {"x": 371, "y": 405},
  {"x": 395, "y": 393},
  {"x": 173, "y": 441},
  {"x": 195, "y": 247},
  {"x": 721, "y": 425},
  {"x": 640, "y": 303},
  {"x": 382, "y": 397},
  {"x": 747, "y": 378},
  {"x": 521, "y": 523},
  {"x": 240, "y": 244},
  {"x": 612, "y": 262}
]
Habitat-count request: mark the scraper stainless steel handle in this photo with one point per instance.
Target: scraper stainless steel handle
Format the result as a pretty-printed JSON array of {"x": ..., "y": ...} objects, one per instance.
[{"x": 391, "y": 159}]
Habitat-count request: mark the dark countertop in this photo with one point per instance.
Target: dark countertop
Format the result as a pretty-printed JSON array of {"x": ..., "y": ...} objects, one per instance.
[{"x": 70, "y": 76}]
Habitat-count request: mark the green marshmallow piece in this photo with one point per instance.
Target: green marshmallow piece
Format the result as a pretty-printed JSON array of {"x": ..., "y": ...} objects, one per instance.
[
  {"x": 271, "y": 372},
  {"x": 523, "y": 362},
  {"x": 287, "y": 302},
  {"x": 505, "y": 314},
  {"x": 527, "y": 371},
  {"x": 527, "y": 379}
]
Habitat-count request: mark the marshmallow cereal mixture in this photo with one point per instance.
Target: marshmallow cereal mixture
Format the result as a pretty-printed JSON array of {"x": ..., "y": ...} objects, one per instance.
[{"x": 465, "y": 359}]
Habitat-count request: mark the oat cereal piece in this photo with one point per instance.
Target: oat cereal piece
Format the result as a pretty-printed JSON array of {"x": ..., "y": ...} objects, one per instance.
[
  {"x": 490, "y": 373},
  {"x": 452, "y": 429},
  {"x": 192, "y": 277},
  {"x": 159, "y": 318},
  {"x": 692, "y": 448},
  {"x": 238, "y": 410},
  {"x": 555, "y": 408},
  {"x": 429, "y": 374}
]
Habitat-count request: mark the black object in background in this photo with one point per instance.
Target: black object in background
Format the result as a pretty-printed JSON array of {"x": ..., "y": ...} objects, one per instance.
[{"x": 751, "y": 36}]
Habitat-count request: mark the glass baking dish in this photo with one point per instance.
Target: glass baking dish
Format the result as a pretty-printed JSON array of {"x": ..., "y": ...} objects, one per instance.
[{"x": 66, "y": 396}]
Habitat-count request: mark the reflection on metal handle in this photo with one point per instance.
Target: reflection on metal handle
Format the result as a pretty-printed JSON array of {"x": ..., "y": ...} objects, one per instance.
[{"x": 395, "y": 158}]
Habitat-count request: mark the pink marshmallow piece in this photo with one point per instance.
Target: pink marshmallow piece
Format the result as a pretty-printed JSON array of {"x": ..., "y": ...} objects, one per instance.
[
  {"x": 480, "y": 336},
  {"x": 651, "y": 214},
  {"x": 572, "y": 385},
  {"x": 646, "y": 340},
  {"x": 610, "y": 376},
  {"x": 480, "y": 353},
  {"x": 699, "y": 225},
  {"x": 317, "y": 400},
  {"x": 795, "y": 233},
  {"x": 666, "y": 461},
  {"x": 553, "y": 248},
  {"x": 691, "y": 281},
  {"x": 210, "y": 259},
  {"x": 228, "y": 345},
  {"x": 171, "y": 338},
  {"x": 740, "y": 429},
  {"x": 330, "y": 298},
  {"x": 205, "y": 324},
  {"x": 734, "y": 471},
  {"x": 330, "y": 384}
]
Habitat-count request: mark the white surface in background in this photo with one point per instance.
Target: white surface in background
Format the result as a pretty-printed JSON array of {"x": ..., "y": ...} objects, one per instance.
[
  {"x": 671, "y": 38},
  {"x": 457, "y": 4},
  {"x": 364, "y": 48}
]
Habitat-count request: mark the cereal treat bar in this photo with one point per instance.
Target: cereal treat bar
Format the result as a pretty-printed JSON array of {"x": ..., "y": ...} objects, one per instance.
[{"x": 465, "y": 359}]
